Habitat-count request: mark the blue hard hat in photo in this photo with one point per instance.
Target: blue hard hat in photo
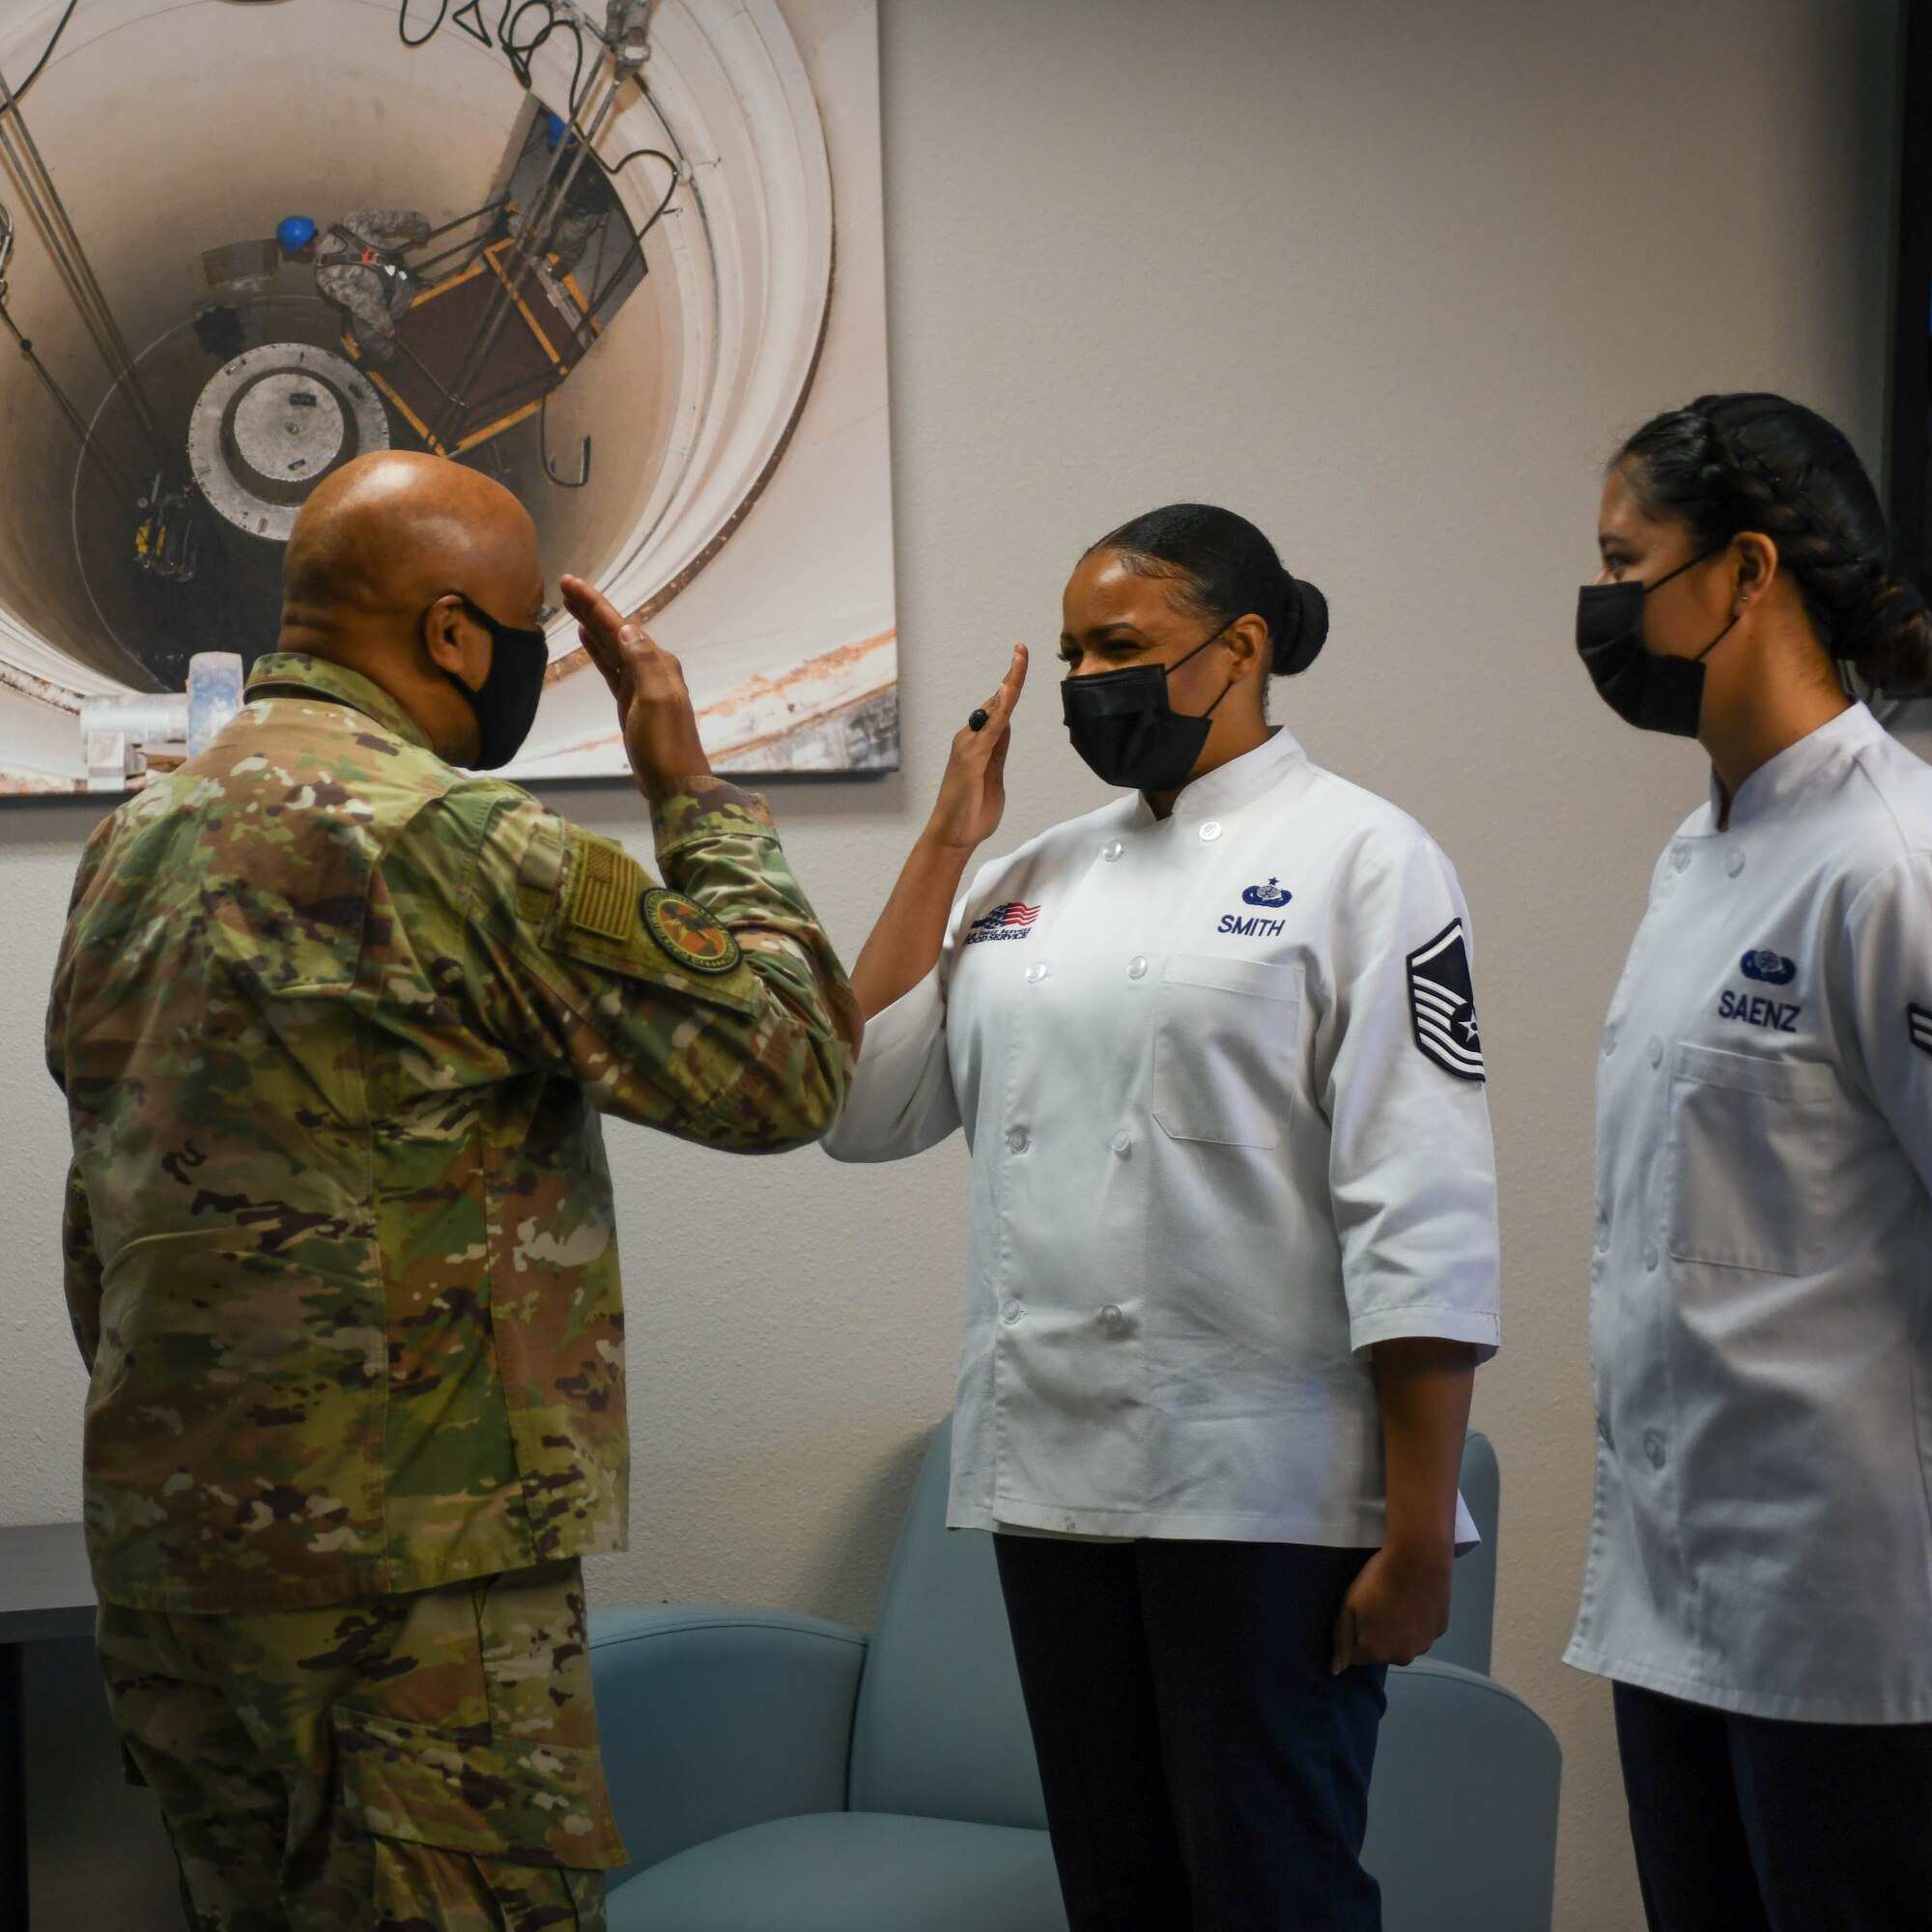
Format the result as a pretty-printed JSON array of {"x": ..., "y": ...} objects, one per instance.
[{"x": 295, "y": 234}]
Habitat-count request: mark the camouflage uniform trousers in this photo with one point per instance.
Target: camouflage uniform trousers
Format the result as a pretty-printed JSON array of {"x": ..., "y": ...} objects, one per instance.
[
  {"x": 375, "y": 302},
  {"x": 422, "y": 1763}
]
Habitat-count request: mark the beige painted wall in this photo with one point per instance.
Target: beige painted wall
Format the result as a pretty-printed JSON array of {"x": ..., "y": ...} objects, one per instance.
[{"x": 1390, "y": 279}]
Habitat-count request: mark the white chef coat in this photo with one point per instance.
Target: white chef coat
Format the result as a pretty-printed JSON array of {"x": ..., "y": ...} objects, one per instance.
[
  {"x": 1213, "y": 1160},
  {"x": 1761, "y": 1294}
]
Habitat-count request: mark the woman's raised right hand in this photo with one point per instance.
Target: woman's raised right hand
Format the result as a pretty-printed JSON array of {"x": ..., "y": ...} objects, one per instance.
[{"x": 973, "y": 792}]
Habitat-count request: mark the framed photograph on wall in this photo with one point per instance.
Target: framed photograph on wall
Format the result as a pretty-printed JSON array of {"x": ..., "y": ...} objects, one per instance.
[{"x": 632, "y": 266}]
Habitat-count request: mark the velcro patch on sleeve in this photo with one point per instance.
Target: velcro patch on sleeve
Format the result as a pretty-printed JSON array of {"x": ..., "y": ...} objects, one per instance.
[
  {"x": 687, "y": 933},
  {"x": 601, "y": 896}
]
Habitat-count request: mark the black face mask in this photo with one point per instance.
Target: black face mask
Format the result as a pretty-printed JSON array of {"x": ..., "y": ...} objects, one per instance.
[
  {"x": 1641, "y": 686},
  {"x": 505, "y": 702},
  {"x": 1120, "y": 723}
]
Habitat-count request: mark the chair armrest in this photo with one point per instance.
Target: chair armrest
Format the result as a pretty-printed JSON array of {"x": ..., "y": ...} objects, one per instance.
[
  {"x": 1473, "y": 1605},
  {"x": 1462, "y": 1807},
  {"x": 714, "y": 1718}
]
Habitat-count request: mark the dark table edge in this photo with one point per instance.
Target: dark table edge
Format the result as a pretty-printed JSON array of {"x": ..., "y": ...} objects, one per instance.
[{"x": 38, "y": 1626}]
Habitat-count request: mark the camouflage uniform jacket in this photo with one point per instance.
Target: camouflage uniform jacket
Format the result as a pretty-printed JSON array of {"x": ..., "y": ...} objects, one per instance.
[{"x": 334, "y": 1021}]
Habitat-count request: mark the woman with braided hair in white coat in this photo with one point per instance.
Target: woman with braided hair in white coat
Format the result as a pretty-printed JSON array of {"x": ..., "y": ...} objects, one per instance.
[{"x": 1760, "y": 1581}]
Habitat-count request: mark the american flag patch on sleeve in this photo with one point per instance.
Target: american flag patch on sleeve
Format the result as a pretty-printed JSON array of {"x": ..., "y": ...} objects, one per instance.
[{"x": 603, "y": 891}]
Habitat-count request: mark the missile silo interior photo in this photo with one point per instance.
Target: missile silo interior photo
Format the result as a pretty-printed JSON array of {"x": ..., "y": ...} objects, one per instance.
[{"x": 609, "y": 240}]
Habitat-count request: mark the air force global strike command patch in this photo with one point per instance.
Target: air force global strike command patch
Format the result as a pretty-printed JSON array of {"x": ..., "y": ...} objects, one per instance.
[
  {"x": 687, "y": 933},
  {"x": 1442, "y": 1004}
]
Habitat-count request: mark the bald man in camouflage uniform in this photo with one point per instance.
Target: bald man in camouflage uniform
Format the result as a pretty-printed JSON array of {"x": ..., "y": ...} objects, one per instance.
[{"x": 335, "y": 1021}]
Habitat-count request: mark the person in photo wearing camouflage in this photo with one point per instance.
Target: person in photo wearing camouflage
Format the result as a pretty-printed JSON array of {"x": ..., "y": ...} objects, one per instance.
[
  {"x": 359, "y": 265},
  {"x": 335, "y": 1021}
]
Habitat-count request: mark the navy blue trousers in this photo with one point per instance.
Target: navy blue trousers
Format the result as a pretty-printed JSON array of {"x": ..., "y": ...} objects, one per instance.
[
  {"x": 1755, "y": 1825},
  {"x": 1203, "y": 1771}
]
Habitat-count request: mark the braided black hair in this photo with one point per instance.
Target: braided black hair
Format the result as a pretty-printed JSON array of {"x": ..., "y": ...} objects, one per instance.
[
  {"x": 1225, "y": 569},
  {"x": 1755, "y": 462}
]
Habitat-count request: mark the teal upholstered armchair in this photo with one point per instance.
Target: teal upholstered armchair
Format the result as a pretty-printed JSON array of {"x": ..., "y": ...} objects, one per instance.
[{"x": 779, "y": 1773}]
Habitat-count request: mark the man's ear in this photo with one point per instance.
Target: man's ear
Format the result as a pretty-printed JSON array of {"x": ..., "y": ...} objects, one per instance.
[{"x": 445, "y": 634}]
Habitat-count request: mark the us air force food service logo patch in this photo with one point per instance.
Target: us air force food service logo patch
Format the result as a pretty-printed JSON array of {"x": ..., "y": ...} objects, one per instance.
[
  {"x": 1773, "y": 968},
  {"x": 1442, "y": 1004},
  {"x": 1918, "y": 1023},
  {"x": 688, "y": 932}
]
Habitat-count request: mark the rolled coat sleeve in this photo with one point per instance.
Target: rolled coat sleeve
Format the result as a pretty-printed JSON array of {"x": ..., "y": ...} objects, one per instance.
[
  {"x": 1412, "y": 1176},
  {"x": 902, "y": 1100}
]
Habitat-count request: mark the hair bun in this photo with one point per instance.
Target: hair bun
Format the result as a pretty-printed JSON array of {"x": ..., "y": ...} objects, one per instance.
[
  {"x": 1304, "y": 627},
  {"x": 1891, "y": 646}
]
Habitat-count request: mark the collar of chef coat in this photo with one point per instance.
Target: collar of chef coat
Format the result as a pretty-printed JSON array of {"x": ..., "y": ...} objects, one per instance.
[
  {"x": 1780, "y": 782},
  {"x": 1231, "y": 785}
]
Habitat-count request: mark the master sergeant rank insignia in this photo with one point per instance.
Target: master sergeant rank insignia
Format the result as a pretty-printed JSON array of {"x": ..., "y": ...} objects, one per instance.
[
  {"x": 1919, "y": 1026},
  {"x": 687, "y": 933},
  {"x": 1442, "y": 1004}
]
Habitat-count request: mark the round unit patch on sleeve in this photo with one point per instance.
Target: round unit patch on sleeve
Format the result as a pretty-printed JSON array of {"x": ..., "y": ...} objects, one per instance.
[{"x": 688, "y": 932}]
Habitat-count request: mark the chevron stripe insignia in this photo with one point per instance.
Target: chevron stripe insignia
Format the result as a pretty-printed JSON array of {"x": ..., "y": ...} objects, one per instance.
[{"x": 1442, "y": 1004}]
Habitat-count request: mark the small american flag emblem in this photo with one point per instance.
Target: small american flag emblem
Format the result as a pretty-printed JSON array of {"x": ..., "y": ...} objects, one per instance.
[
  {"x": 604, "y": 889},
  {"x": 1012, "y": 920}
]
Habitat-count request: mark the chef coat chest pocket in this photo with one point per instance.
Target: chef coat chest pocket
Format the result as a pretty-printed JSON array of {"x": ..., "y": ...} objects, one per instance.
[
  {"x": 1227, "y": 1041},
  {"x": 1749, "y": 1148}
]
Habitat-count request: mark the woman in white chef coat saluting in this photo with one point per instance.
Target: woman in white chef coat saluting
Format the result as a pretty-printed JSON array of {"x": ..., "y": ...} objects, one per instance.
[
  {"x": 1760, "y": 1584},
  {"x": 1233, "y": 1252}
]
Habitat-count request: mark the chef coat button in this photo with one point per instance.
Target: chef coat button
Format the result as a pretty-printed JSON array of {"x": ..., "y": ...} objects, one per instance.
[
  {"x": 1017, "y": 1139},
  {"x": 1137, "y": 968},
  {"x": 1012, "y": 1313},
  {"x": 1112, "y": 850},
  {"x": 1036, "y": 972},
  {"x": 1681, "y": 857},
  {"x": 1653, "y": 1447},
  {"x": 1609, "y": 1039},
  {"x": 1112, "y": 1316},
  {"x": 1211, "y": 831},
  {"x": 1650, "y": 1256},
  {"x": 1123, "y": 1141},
  {"x": 1656, "y": 1051},
  {"x": 1734, "y": 861}
]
